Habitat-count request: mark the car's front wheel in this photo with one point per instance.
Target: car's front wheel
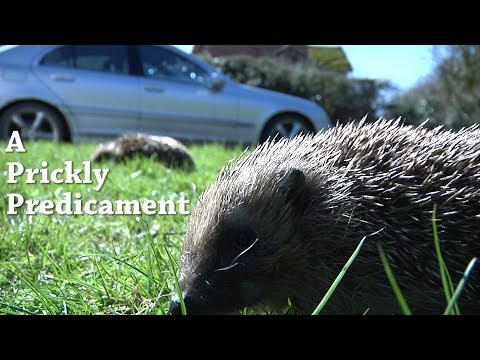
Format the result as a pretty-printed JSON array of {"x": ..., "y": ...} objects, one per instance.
[
  {"x": 286, "y": 126},
  {"x": 33, "y": 121}
]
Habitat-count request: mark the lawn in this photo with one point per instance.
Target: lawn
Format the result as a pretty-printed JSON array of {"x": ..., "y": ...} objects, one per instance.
[{"x": 96, "y": 264}]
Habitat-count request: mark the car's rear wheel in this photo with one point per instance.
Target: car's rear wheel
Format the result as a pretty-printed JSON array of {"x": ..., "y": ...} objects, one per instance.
[
  {"x": 33, "y": 121},
  {"x": 286, "y": 126}
]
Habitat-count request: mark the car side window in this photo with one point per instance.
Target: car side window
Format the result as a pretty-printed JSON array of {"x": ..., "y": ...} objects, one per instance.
[
  {"x": 162, "y": 63},
  {"x": 104, "y": 58},
  {"x": 61, "y": 56}
]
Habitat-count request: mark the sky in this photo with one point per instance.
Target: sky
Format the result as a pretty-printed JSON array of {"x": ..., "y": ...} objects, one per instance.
[{"x": 403, "y": 65}]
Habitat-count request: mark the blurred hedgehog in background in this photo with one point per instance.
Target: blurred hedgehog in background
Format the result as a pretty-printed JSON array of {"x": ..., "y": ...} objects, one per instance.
[{"x": 165, "y": 149}]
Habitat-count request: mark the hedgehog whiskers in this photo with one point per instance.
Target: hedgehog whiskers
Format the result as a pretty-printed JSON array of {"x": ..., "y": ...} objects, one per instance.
[
  {"x": 226, "y": 268},
  {"x": 245, "y": 251},
  {"x": 233, "y": 263}
]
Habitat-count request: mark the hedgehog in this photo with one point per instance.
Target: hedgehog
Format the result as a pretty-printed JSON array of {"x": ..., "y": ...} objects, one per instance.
[
  {"x": 165, "y": 149},
  {"x": 277, "y": 225}
]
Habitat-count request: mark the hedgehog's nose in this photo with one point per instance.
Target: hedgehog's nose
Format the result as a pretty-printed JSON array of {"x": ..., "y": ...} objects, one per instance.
[{"x": 175, "y": 308}]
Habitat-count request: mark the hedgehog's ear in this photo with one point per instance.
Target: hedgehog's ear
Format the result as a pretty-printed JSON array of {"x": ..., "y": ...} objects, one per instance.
[{"x": 293, "y": 186}]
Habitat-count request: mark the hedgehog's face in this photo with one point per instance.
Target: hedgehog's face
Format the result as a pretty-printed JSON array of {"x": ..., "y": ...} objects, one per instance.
[
  {"x": 225, "y": 281},
  {"x": 104, "y": 152},
  {"x": 236, "y": 248}
]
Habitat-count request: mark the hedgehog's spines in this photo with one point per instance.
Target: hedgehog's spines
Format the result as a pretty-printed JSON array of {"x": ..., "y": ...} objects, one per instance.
[
  {"x": 359, "y": 178},
  {"x": 165, "y": 149}
]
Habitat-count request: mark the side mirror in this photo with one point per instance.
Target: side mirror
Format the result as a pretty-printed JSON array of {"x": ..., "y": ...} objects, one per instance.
[{"x": 217, "y": 82}]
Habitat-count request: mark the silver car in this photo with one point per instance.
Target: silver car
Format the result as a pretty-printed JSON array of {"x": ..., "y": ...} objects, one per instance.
[{"x": 76, "y": 92}]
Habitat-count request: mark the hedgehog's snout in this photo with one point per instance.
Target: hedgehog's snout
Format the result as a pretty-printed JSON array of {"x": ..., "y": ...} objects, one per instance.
[
  {"x": 219, "y": 293},
  {"x": 175, "y": 306},
  {"x": 192, "y": 305}
]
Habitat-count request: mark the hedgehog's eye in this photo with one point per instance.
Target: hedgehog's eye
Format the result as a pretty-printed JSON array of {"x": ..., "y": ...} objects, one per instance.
[{"x": 245, "y": 237}]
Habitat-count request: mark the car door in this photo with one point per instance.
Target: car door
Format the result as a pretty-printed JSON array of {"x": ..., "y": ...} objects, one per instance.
[
  {"x": 177, "y": 98},
  {"x": 95, "y": 84}
]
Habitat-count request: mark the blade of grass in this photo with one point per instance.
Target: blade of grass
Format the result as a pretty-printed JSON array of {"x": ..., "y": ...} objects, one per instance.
[
  {"x": 159, "y": 261},
  {"x": 16, "y": 308},
  {"x": 103, "y": 282},
  {"x": 393, "y": 282},
  {"x": 177, "y": 283},
  {"x": 49, "y": 306},
  {"x": 461, "y": 285},
  {"x": 123, "y": 262},
  {"x": 289, "y": 310},
  {"x": 338, "y": 279},
  {"x": 444, "y": 274}
]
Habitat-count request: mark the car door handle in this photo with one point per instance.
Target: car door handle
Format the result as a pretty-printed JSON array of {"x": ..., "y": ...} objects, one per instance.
[
  {"x": 153, "y": 88},
  {"x": 62, "y": 77}
]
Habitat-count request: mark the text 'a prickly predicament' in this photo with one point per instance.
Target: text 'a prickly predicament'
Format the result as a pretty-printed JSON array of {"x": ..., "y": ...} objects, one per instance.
[{"x": 68, "y": 203}]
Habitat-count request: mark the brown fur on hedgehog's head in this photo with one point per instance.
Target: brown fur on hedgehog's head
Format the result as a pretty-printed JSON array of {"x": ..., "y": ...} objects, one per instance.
[
  {"x": 242, "y": 246},
  {"x": 241, "y": 261}
]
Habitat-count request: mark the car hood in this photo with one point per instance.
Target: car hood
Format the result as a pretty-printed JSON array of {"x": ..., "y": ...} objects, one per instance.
[{"x": 274, "y": 96}]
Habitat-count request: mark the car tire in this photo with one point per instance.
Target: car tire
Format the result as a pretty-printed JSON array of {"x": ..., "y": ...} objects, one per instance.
[
  {"x": 33, "y": 121},
  {"x": 286, "y": 126}
]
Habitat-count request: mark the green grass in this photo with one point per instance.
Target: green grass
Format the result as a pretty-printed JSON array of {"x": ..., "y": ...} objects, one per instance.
[
  {"x": 444, "y": 274},
  {"x": 461, "y": 285},
  {"x": 393, "y": 283},
  {"x": 337, "y": 280},
  {"x": 100, "y": 264}
]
